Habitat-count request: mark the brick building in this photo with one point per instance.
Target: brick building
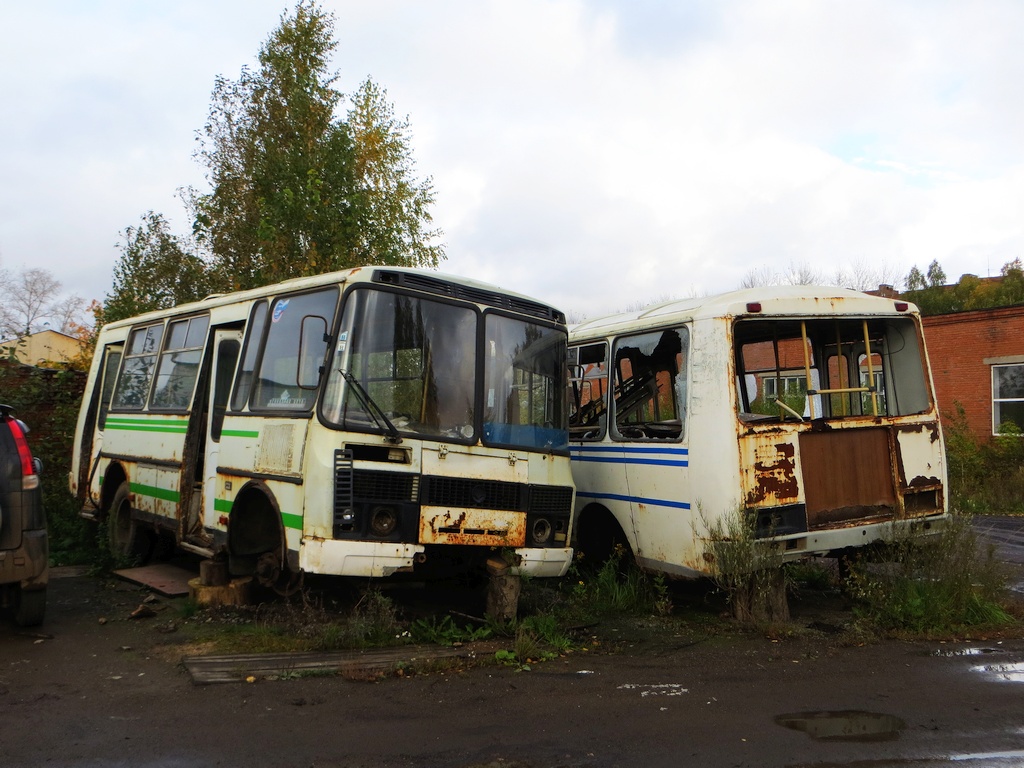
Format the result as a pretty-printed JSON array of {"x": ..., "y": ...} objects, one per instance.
[{"x": 977, "y": 360}]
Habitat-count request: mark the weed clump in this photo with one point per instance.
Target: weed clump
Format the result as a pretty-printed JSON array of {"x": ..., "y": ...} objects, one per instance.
[
  {"x": 748, "y": 569},
  {"x": 935, "y": 584},
  {"x": 618, "y": 586}
]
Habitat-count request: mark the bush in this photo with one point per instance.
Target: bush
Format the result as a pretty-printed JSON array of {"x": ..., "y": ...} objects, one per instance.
[
  {"x": 984, "y": 478},
  {"x": 748, "y": 569},
  {"x": 47, "y": 400}
]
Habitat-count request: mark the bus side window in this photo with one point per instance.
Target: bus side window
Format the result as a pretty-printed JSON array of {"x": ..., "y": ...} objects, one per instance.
[
  {"x": 650, "y": 385},
  {"x": 588, "y": 385},
  {"x": 110, "y": 366},
  {"x": 179, "y": 363},
  {"x": 294, "y": 349},
  {"x": 132, "y": 387}
]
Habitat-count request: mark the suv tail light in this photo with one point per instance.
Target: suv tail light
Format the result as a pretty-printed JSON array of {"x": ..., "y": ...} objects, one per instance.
[{"x": 29, "y": 478}]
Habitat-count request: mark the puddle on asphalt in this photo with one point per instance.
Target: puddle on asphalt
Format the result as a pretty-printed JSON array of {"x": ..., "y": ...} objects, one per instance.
[
  {"x": 849, "y": 725},
  {"x": 965, "y": 651},
  {"x": 1013, "y": 755},
  {"x": 1010, "y": 673}
]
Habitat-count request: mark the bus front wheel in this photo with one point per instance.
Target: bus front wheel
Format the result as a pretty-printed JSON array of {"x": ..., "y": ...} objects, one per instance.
[
  {"x": 600, "y": 538},
  {"x": 126, "y": 538}
]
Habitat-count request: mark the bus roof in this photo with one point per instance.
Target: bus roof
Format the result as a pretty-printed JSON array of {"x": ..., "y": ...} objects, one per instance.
[
  {"x": 327, "y": 278},
  {"x": 776, "y": 300}
]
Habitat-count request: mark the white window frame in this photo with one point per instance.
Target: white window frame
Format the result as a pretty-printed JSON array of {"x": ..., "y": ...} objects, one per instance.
[{"x": 997, "y": 400}]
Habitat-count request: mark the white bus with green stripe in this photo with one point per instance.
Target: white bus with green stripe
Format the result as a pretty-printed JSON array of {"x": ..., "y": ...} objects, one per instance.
[{"x": 365, "y": 423}]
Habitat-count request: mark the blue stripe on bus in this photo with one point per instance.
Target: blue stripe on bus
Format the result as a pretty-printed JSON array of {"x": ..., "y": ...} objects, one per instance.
[
  {"x": 625, "y": 460},
  {"x": 625, "y": 449},
  {"x": 624, "y": 457},
  {"x": 636, "y": 499}
]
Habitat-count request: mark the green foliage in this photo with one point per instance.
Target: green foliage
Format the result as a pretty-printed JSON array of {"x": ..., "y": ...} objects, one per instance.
[
  {"x": 47, "y": 401},
  {"x": 527, "y": 648},
  {"x": 296, "y": 191},
  {"x": 616, "y": 586},
  {"x": 445, "y": 631},
  {"x": 374, "y": 620},
  {"x": 392, "y": 209},
  {"x": 934, "y": 297},
  {"x": 940, "y": 583},
  {"x": 155, "y": 271},
  {"x": 748, "y": 569},
  {"x": 984, "y": 478}
]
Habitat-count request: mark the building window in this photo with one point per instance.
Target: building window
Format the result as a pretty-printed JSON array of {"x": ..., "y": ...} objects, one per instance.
[{"x": 1007, "y": 399}]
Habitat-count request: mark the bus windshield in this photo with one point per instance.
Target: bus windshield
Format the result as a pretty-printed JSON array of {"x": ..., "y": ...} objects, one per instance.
[{"x": 410, "y": 365}]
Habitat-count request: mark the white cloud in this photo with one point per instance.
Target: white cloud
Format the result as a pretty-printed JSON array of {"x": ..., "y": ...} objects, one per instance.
[{"x": 593, "y": 153}]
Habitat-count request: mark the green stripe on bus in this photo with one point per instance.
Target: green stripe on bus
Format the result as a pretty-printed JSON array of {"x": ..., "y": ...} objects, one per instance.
[
  {"x": 128, "y": 420},
  {"x": 289, "y": 520},
  {"x": 148, "y": 425},
  {"x": 156, "y": 493},
  {"x": 239, "y": 433}
]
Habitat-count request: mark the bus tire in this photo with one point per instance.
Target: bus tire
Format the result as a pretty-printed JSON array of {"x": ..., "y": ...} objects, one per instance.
[
  {"x": 255, "y": 538},
  {"x": 126, "y": 538}
]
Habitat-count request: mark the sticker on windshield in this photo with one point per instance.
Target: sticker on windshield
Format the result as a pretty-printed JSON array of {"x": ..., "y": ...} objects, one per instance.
[{"x": 279, "y": 308}]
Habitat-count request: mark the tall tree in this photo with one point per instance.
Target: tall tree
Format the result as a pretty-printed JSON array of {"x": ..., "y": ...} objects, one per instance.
[
  {"x": 294, "y": 189},
  {"x": 34, "y": 303},
  {"x": 155, "y": 271},
  {"x": 392, "y": 208}
]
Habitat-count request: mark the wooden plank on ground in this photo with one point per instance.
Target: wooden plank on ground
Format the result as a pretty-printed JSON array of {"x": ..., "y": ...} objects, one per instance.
[
  {"x": 167, "y": 579},
  {"x": 238, "y": 667}
]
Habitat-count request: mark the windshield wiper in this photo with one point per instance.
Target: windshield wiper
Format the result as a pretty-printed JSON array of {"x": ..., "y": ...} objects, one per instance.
[{"x": 370, "y": 406}]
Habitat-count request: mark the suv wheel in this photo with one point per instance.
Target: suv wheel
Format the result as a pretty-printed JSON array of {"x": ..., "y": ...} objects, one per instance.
[{"x": 29, "y": 607}]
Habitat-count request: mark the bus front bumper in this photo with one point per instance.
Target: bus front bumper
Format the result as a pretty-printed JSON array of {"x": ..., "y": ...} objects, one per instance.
[
  {"x": 543, "y": 563},
  {"x": 374, "y": 559},
  {"x": 371, "y": 559}
]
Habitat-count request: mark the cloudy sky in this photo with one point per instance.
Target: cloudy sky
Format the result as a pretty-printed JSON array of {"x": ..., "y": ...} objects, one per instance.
[{"x": 596, "y": 154}]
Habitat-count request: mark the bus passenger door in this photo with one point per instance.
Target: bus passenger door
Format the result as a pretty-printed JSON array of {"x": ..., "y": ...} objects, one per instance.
[
  {"x": 92, "y": 435},
  {"x": 227, "y": 343}
]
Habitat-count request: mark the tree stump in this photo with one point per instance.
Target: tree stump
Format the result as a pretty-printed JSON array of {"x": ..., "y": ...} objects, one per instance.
[{"x": 503, "y": 588}]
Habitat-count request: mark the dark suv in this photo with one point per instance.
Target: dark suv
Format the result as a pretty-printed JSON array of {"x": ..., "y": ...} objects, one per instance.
[{"x": 24, "y": 547}]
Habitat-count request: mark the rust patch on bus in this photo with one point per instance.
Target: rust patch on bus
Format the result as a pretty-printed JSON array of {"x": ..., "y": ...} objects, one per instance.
[
  {"x": 769, "y": 471},
  {"x": 473, "y": 527}
]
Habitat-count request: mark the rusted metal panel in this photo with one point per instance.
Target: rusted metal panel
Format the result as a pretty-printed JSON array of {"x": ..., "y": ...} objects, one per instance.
[
  {"x": 768, "y": 466},
  {"x": 276, "y": 449},
  {"x": 482, "y": 527},
  {"x": 847, "y": 476}
]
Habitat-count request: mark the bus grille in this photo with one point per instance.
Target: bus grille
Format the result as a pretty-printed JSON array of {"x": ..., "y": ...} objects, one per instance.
[
  {"x": 369, "y": 485},
  {"x": 550, "y": 500},
  {"x": 473, "y": 494},
  {"x": 385, "y": 486}
]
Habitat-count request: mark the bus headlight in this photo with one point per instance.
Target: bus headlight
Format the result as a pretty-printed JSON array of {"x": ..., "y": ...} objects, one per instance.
[
  {"x": 541, "y": 530},
  {"x": 383, "y": 521}
]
